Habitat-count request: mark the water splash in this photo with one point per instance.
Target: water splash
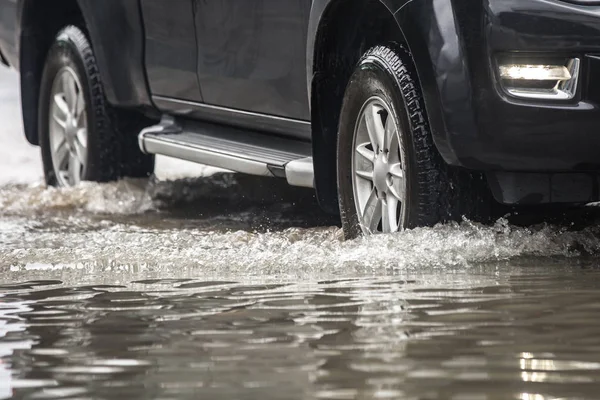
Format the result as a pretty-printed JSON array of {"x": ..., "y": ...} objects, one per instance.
[
  {"x": 125, "y": 197},
  {"x": 316, "y": 252},
  {"x": 137, "y": 196},
  {"x": 135, "y": 226}
]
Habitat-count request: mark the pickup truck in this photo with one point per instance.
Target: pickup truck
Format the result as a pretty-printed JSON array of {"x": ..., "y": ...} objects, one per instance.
[{"x": 399, "y": 113}]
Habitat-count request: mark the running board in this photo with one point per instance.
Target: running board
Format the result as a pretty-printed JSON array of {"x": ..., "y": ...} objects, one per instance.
[{"x": 231, "y": 148}]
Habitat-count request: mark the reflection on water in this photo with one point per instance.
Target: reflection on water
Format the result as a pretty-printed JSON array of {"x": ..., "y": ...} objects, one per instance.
[
  {"x": 497, "y": 334},
  {"x": 237, "y": 287}
]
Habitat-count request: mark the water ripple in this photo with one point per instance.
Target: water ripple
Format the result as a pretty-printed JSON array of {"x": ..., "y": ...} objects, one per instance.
[{"x": 414, "y": 338}]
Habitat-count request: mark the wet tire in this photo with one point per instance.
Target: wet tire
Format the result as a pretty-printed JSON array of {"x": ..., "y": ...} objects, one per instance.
[
  {"x": 111, "y": 151},
  {"x": 433, "y": 192}
]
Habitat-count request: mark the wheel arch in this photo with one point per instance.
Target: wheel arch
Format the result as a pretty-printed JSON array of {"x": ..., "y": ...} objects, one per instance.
[
  {"x": 124, "y": 78},
  {"x": 331, "y": 57},
  {"x": 119, "y": 51}
]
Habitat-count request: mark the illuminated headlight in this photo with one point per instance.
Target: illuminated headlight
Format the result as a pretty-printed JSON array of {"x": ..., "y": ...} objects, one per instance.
[
  {"x": 535, "y": 72},
  {"x": 540, "y": 81}
]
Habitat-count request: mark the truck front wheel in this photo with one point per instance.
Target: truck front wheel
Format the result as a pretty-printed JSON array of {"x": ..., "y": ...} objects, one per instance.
[
  {"x": 390, "y": 174},
  {"x": 82, "y": 138}
]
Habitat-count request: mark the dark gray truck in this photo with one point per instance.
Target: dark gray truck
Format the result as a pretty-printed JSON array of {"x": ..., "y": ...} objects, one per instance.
[{"x": 400, "y": 113}]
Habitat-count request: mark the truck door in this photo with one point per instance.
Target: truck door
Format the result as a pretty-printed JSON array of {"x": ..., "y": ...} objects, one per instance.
[
  {"x": 171, "y": 50},
  {"x": 252, "y": 55}
]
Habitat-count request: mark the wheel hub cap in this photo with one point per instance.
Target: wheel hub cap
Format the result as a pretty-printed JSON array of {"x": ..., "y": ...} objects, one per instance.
[
  {"x": 381, "y": 172},
  {"x": 71, "y": 132},
  {"x": 378, "y": 170},
  {"x": 68, "y": 128}
]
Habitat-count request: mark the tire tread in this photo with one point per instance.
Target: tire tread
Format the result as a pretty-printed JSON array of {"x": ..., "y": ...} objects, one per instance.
[
  {"x": 443, "y": 193},
  {"x": 112, "y": 134}
]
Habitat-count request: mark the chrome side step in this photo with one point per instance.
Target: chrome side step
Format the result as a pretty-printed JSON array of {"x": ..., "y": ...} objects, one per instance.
[{"x": 231, "y": 148}]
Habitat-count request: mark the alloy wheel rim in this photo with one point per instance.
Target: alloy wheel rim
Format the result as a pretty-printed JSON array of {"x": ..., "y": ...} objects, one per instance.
[
  {"x": 378, "y": 169},
  {"x": 68, "y": 128}
]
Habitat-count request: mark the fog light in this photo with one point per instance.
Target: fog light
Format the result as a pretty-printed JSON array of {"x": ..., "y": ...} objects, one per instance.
[
  {"x": 535, "y": 72},
  {"x": 541, "y": 81}
]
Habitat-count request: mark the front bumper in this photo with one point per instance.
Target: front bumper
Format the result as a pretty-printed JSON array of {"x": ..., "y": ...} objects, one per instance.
[{"x": 529, "y": 135}]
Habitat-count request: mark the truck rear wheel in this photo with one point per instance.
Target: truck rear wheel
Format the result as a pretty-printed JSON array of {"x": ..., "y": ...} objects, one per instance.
[
  {"x": 82, "y": 138},
  {"x": 390, "y": 174}
]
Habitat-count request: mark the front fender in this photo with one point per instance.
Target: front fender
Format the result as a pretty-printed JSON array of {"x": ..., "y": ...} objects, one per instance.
[
  {"x": 436, "y": 41},
  {"x": 432, "y": 32},
  {"x": 116, "y": 32},
  {"x": 318, "y": 11}
]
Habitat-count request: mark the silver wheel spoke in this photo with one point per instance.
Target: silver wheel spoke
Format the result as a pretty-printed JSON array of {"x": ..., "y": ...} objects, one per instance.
[
  {"x": 365, "y": 153},
  {"x": 64, "y": 175},
  {"x": 375, "y": 126},
  {"x": 396, "y": 171},
  {"x": 79, "y": 151},
  {"x": 372, "y": 212},
  {"x": 62, "y": 123},
  {"x": 390, "y": 215},
  {"x": 365, "y": 175},
  {"x": 61, "y": 154},
  {"x": 364, "y": 163},
  {"x": 390, "y": 134},
  {"x": 70, "y": 88},
  {"x": 397, "y": 188},
  {"x": 61, "y": 105},
  {"x": 74, "y": 169},
  {"x": 385, "y": 217},
  {"x": 82, "y": 137},
  {"x": 79, "y": 108}
]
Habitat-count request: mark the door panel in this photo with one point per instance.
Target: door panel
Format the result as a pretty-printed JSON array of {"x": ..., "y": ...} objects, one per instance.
[
  {"x": 171, "y": 50},
  {"x": 252, "y": 55}
]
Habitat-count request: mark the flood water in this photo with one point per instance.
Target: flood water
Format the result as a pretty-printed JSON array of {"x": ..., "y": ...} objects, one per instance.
[
  {"x": 230, "y": 287},
  {"x": 238, "y": 288}
]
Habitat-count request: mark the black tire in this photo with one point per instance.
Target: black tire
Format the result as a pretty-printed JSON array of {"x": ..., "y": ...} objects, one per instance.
[
  {"x": 434, "y": 191},
  {"x": 112, "y": 150}
]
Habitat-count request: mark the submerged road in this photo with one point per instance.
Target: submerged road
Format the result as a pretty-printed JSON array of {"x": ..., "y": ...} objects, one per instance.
[{"x": 196, "y": 284}]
